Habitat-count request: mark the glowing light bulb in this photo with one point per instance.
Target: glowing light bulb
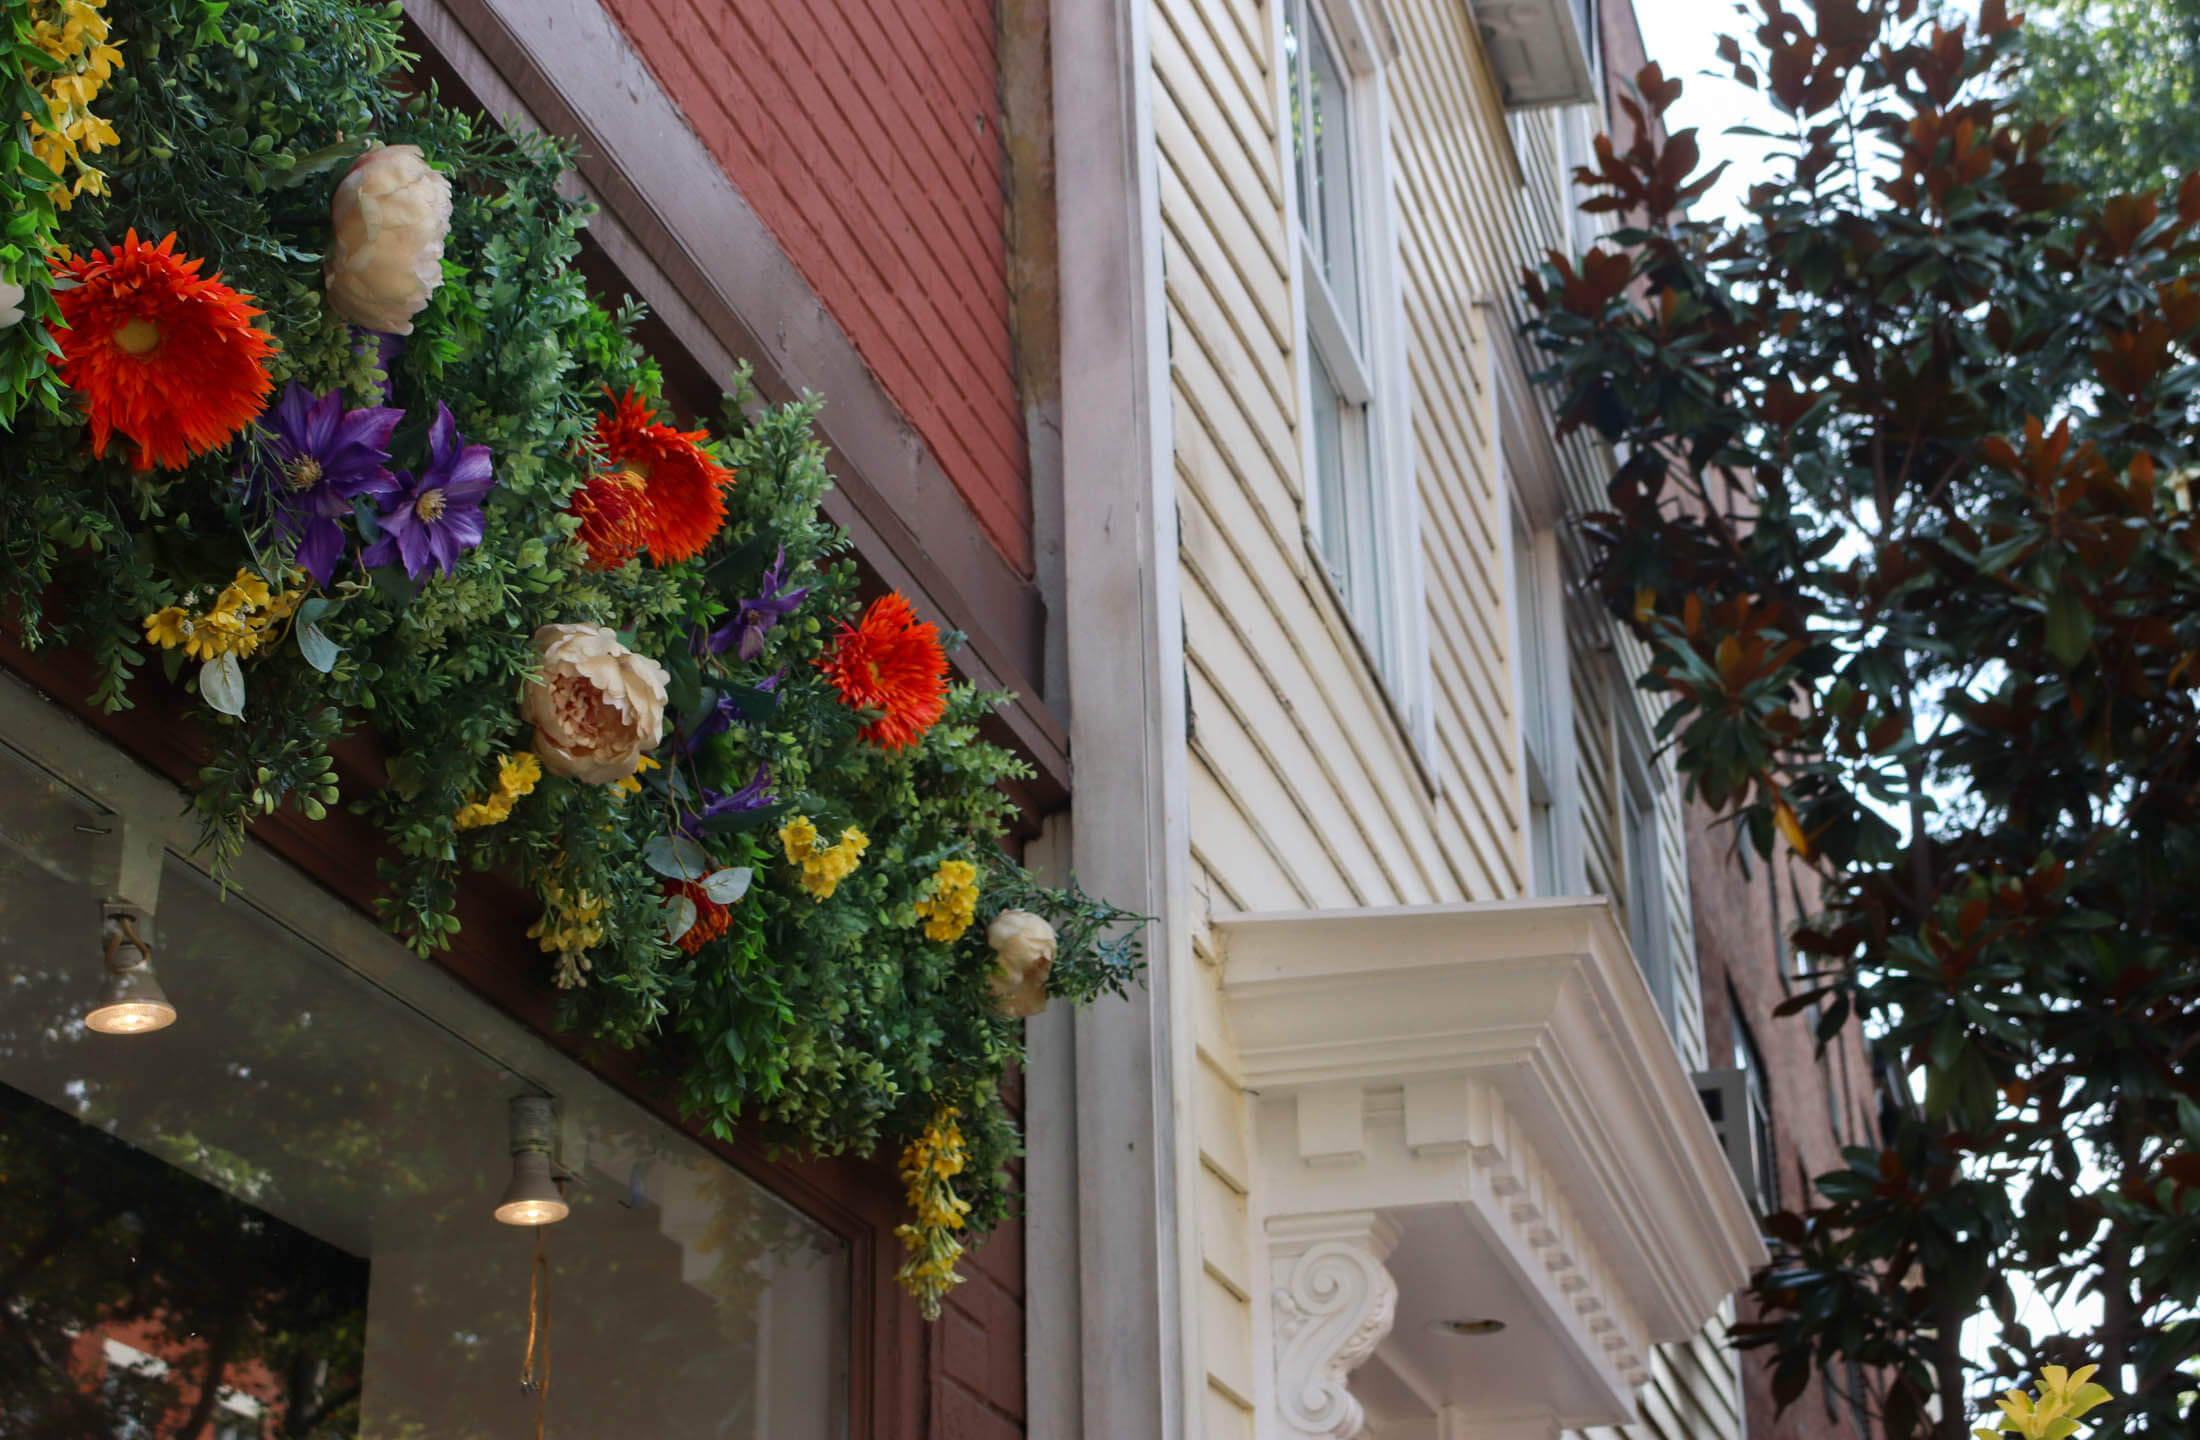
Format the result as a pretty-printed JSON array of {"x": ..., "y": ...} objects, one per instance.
[
  {"x": 533, "y": 1197},
  {"x": 130, "y": 1017}
]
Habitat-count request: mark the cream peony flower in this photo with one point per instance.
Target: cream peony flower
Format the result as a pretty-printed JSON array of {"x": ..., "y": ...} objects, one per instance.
[
  {"x": 11, "y": 304},
  {"x": 597, "y": 707},
  {"x": 1023, "y": 951},
  {"x": 385, "y": 254}
]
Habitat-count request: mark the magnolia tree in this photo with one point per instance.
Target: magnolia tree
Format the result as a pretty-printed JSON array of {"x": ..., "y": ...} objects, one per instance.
[{"x": 1903, "y": 511}]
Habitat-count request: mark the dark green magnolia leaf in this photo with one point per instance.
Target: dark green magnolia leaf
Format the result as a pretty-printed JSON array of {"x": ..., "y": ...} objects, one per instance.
[{"x": 2069, "y": 627}]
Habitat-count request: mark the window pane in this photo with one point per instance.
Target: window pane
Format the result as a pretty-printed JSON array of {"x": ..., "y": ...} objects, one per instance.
[
  {"x": 1294, "y": 23},
  {"x": 1645, "y": 932},
  {"x": 1537, "y": 671},
  {"x": 1363, "y": 532},
  {"x": 290, "y": 1190},
  {"x": 1329, "y": 206}
]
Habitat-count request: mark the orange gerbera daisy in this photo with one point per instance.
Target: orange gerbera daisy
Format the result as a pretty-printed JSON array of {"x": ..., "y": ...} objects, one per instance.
[
  {"x": 893, "y": 663},
  {"x": 168, "y": 358},
  {"x": 683, "y": 489},
  {"x": 614, "y": 511}
]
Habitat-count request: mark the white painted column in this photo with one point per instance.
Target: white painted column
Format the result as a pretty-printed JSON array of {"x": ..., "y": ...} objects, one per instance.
[{"x": 1128, "y": 1227}]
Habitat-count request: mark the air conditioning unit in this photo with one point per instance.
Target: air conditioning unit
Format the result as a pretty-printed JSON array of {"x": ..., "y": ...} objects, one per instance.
[
  {"x": 1544, "y": 51},
  {"x": 1738, "y": 1118}
]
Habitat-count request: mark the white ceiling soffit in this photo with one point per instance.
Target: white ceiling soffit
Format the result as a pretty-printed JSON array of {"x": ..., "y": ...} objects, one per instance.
[
  {"x": 1539, "y": 50},
  {"x": 1496, "y": 1081}
]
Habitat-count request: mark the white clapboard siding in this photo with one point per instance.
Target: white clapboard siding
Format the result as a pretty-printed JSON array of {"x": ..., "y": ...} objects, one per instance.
[{"x": 1304, "y": 789}]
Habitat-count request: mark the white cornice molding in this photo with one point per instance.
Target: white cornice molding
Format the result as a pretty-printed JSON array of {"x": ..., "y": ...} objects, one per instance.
[{"x": 1522, "y": 1035}]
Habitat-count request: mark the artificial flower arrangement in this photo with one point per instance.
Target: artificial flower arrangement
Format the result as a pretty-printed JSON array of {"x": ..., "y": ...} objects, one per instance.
[{"x": 335, "y": 436}]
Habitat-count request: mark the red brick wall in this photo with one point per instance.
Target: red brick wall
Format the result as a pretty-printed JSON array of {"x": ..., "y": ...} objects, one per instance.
[
  {"x": 867, "y": 135},
  {"x": 1817, "y": 1103}
]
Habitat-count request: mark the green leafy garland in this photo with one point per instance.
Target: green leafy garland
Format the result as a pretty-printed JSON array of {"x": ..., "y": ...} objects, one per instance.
[{"x": 854, "y": 1019}]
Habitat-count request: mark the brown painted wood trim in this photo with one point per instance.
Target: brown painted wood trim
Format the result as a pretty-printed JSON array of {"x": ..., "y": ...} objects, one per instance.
[
  {"x": 860, "y": 1201},
  {"x": 904, "y": 514}
]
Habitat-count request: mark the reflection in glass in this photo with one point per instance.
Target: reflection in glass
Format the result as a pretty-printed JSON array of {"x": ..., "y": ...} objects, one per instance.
[{"x": 354, "y": 1149}]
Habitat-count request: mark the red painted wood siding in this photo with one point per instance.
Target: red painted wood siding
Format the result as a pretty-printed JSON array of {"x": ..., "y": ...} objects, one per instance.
[{"x": 866, "y": 134}]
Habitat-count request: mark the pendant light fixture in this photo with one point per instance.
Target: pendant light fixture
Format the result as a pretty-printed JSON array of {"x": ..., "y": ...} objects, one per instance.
[
  {"x": 131, "y": 1001},
  {"x": 536, "y": 1195}
]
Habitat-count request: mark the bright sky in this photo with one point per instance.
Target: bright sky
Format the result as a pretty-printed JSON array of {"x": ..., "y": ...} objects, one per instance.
[{"x": 1683, "y": 37}]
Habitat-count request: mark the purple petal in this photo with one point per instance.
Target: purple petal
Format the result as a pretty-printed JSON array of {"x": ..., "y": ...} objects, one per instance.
[
  {"x": 464, "y": 527},
  {"x": 470, "y": 468},
  {"x": 443, "y": 434},
  {"x": 417, "y": 547},
  {"x": 320, "y": 548},
  {"x": 320, "y": 423}
]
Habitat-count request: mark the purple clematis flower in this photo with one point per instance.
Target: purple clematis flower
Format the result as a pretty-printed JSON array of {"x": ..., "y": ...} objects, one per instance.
[
  {"x": 429, "y": 518},
  {"x": 717, "y": 719},
  {"x": 753, "y": 619},
  {"x": 753, "y": 796},
  {"x": 317, "y": 457}
]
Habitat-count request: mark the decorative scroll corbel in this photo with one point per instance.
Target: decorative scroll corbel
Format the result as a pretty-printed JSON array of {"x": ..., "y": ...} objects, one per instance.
[{"x": 1334, "y": 1302}]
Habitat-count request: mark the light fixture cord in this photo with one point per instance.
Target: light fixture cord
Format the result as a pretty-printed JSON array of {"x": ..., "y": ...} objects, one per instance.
[
  {"x": 538, "y": 1326},
  {"x": 123, "y": 931}
]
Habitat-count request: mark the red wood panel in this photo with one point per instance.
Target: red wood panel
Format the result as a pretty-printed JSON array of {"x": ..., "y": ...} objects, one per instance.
[{"x": 867, "y": 135}]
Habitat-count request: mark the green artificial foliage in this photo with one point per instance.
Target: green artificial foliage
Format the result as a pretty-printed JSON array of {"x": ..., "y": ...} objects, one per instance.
[
  {"x": 1904, "y": 511},
  {"x": 824, "y": 1025}
]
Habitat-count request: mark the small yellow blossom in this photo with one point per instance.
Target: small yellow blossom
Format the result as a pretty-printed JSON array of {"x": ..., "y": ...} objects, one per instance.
[
  {"x": 632, "y": 784},
  {"x": 168, "y": 627},
  {"x": 247, "y": 592},
  {"x": 221, "y": 632},
  {"x": 929, "y": 1166},
  {"x": 953, "y": 903},
  {"x": 570, "y": 926},
  {"x": 822, "y": 869},
  {"x": 73, "y": 33},
  {"x": 237, "y": 624},
  {"x": 2064, "y": 1395},
  {"x": 517, "y": 774}
]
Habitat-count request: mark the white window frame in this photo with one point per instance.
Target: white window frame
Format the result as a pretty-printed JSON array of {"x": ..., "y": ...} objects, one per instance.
[
  {"x": 1384, "y": 610},
  {"x": 1642, "y": 858},
  {"x": 1535, "y": 602},
  {"x": 1549, "y": 784}
]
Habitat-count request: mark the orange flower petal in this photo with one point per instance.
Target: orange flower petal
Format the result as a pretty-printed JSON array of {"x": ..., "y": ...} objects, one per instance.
[
  {"x": 892, "y": 663},
  {"x": 168, "y": 359}
]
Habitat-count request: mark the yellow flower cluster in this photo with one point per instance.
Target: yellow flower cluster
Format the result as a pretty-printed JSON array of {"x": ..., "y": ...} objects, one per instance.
[
  {"x": 2064, "y": 1395},
  {"x": 632, "y": 784},
  {"x": 74, "y": 33},
  {"x": 570, "y": 927},
  {"x": 516, "y": 776},
  {"x": 928, "y": 1168},
  {"x": 953, "y": 903},
  {"x": 822, "y": 868},
  {"x": 236, "y": 625}
]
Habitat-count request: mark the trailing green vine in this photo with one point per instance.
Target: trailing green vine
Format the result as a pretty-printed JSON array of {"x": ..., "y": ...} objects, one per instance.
[{"x": 624, "y": 664}]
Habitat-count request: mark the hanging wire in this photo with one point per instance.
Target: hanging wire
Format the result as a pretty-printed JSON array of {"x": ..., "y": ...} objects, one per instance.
[{"x": 534, "y": 1373}]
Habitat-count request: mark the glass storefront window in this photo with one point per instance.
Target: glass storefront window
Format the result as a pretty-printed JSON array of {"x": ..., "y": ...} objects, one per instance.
[{"x": 273, "y": 1218}]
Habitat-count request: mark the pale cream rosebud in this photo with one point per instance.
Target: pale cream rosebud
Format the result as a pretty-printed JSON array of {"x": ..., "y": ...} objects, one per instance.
[
  {"x": 597, "y": 707},
  {"x": 387, "y": 225},
  {"x": 11, "y": 304},
  {"x": 1023, "y": 950}
]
